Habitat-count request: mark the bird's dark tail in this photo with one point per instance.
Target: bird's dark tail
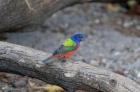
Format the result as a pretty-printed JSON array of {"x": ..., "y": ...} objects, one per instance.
[{"x": 49, "y": 60}]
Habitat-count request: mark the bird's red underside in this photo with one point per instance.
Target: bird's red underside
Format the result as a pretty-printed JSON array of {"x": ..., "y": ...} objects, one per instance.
[{"x": 65, "y": 55}]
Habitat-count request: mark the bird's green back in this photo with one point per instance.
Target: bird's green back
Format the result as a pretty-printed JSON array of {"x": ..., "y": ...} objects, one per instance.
[
  {"x": 69, "y": 42},
  {"x": 68, "y": 45}
]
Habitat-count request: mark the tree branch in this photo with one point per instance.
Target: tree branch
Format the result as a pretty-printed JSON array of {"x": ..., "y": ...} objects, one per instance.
[
  {"x": 104, "y": 1},
  {"x": 21, "y": 13},
  {"x": 71, "y": 75}
]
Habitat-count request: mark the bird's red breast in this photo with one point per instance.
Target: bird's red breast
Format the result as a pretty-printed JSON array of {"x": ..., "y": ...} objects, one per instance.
[{"x": 67, "y": 54}]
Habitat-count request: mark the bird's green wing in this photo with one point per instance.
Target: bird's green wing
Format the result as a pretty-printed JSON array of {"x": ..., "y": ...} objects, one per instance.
[
  {"x": 68, "y": 45},
  {"x": 64, "y": 49}
]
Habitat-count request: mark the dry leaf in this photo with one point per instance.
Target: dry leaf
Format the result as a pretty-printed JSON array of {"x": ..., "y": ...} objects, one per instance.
[
  {"x": 51, "y": 88},
  {"x": 46, "y": 88},
  {"x": 113, "y": 7}
]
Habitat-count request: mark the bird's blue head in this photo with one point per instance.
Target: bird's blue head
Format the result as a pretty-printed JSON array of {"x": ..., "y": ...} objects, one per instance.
[{"x": 78, "y": 37}]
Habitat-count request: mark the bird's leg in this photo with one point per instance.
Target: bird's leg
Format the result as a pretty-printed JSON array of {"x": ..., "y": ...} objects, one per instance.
[
  {"x": 78, "y": 58},
  {"x": 81, "y": 58}
]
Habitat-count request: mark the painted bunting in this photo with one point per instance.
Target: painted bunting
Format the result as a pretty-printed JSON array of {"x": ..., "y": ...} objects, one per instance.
[{"x": 67, "y": 49}]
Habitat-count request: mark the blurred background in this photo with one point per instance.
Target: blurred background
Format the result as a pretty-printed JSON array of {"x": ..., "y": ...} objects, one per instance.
[{"x": 113, "y": 39}]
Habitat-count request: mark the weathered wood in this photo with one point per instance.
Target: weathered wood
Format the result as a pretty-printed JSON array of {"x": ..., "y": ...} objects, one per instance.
[
  {"x": 71, "y": 75},
  {"x": 16, "y": 14}
]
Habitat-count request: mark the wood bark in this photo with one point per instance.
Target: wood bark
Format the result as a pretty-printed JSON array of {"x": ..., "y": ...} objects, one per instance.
[
  {"x": 16, "y": 14},
  {"x": 71, "y": 75}
]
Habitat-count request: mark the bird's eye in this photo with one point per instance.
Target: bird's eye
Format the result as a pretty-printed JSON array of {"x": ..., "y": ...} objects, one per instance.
[{"x": 80, "y": 37}]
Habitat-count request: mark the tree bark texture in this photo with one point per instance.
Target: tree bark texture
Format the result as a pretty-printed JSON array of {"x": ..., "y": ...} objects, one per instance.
[
  {"x": 71, "y": 75},
  {"x": 16, "y": 14}
]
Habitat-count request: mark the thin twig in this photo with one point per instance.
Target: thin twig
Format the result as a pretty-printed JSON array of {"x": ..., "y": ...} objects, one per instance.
[{"x": 29, "y": 5}]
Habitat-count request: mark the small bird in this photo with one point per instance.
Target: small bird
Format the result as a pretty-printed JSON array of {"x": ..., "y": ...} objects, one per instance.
[{"x": 67, "y": 49}]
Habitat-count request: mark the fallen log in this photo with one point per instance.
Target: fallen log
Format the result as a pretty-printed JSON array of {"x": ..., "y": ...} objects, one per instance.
[
  {"x": 16, "y": 14},
  {"x": 71, "y": 75}
]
